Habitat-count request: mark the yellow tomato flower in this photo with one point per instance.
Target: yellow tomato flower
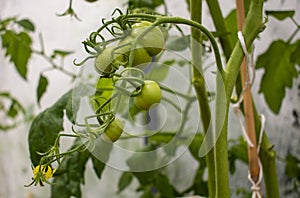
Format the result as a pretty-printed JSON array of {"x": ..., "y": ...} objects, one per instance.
[
  {"x": 45, "y": 171},
  {"x": 41, "y": 173}
]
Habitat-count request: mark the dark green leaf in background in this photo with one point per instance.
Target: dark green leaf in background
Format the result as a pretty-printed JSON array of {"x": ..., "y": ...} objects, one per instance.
[
  {"x": 292, "y": 167},
  {"x": 237, "y": 151},
  {"x": 195, "y": 145},
  {"x": 163, "y": 185},
  {"x": 124, "y": 181},
  {"x": 70, "y": 175},
  {"x": 13, "y": 110},
  {"x": 280, "y": 15},
  {"x": 295, "y": 57},
  {"x": 200, "y": 186},
  {"x": 45, "y": 128},
  {"x": 158, "y": 72},
  {"x": 47, "y": 125},
  {"x": 74, "y": 101},
  {"x": 18, "y": 48},
  {"x": 279, "y": 72},
  {"x": 26, "y": 24},
  {"x": 98, "y": 166},
  {"x": 178, "y": 43},
  {"x": 42, "y": 87}
]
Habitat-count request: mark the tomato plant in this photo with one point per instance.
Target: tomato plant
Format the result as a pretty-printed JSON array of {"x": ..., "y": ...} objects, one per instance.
[
  {"x": 149, "y": 95},
  {"x": 137, "y": 53}
]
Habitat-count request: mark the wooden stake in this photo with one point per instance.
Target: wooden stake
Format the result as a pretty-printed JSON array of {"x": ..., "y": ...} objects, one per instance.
[{"x": 248, "y": 108}]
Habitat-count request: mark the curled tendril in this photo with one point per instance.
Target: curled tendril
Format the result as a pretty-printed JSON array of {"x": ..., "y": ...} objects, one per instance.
[
  {"x": 83, "y": 61},
  {"x": 117, "y": 10},
  {"x": 128, "y": 71},
  {"x": 118, "y": 28},
  {"x": 93, "y": 35}
]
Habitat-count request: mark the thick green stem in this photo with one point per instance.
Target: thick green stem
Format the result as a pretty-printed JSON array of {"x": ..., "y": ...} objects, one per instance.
[
  {"x": 267, "y": 154},
  {"x": 252, "y": 26},
  {"x": 268, "y": 160},
  {"x": 200, "y": 88}
]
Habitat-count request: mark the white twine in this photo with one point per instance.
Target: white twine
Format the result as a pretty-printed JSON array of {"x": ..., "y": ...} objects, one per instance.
[
  {"x": 249, "y": 81},
  {"x": 256, "y": 185}
]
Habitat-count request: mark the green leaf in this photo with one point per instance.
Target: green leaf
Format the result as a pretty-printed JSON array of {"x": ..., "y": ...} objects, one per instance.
[
  {"x": 158, "y": 72},
  {"x": 237, "y": 151},
  {"x": 163, "y": 185},
  {"x": 161, "y": 138},
  {"x": 98, "y": 166},
  {"x": 5, "y": 22},
  {"x": 101, "y": 154},
  {"x": 45, "y": 128},
  {"x": 124, "y": 181},
  {"x": 195, "y": 145},
  {"x": 70, "y": 174},
  {"x": 147, "y": 193},
  {"x": 18, "y": 48},
  {"x": 74, "y": 101},
  {"x": 178, "y": 43},
  {"x": 139, "y": 159},
  {"x": 280, "y": 15},
  {"x": 188, "y": 3},
  {"x": 200, "y": 186},
  {"x": 279, "y": 72},
  {"x": 42, "y": 87},
  {"x": 146, "y": 177},
  {"x": 13, "y": 110},
  {"x": 295, "y": 57},
  {"x": 169, "y": 62},
  {"x": 26, "y": 24},
  {"x": 292, "y": 167}
]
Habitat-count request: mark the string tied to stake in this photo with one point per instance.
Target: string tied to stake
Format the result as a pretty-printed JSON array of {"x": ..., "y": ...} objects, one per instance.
[{"x": 255, "y": 188}]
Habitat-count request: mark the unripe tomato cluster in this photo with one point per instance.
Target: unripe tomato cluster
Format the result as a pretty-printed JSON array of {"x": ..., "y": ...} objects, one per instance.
[
  {"x": 149, "y": 44},
  {"x": 142, "y": 43}
]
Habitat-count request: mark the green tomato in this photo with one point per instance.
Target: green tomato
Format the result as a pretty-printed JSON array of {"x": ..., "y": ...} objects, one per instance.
[
  {"x": 153, "y": 41},
  {"x": 141, "y": 55},
  {"x": 108, "y": 60},
  {"x": 149, "y": 95},
  {"x": 113, "y": 131}
]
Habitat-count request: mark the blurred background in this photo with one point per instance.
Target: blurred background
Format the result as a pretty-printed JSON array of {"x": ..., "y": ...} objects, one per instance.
[{"x": 67, "y": 33}]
